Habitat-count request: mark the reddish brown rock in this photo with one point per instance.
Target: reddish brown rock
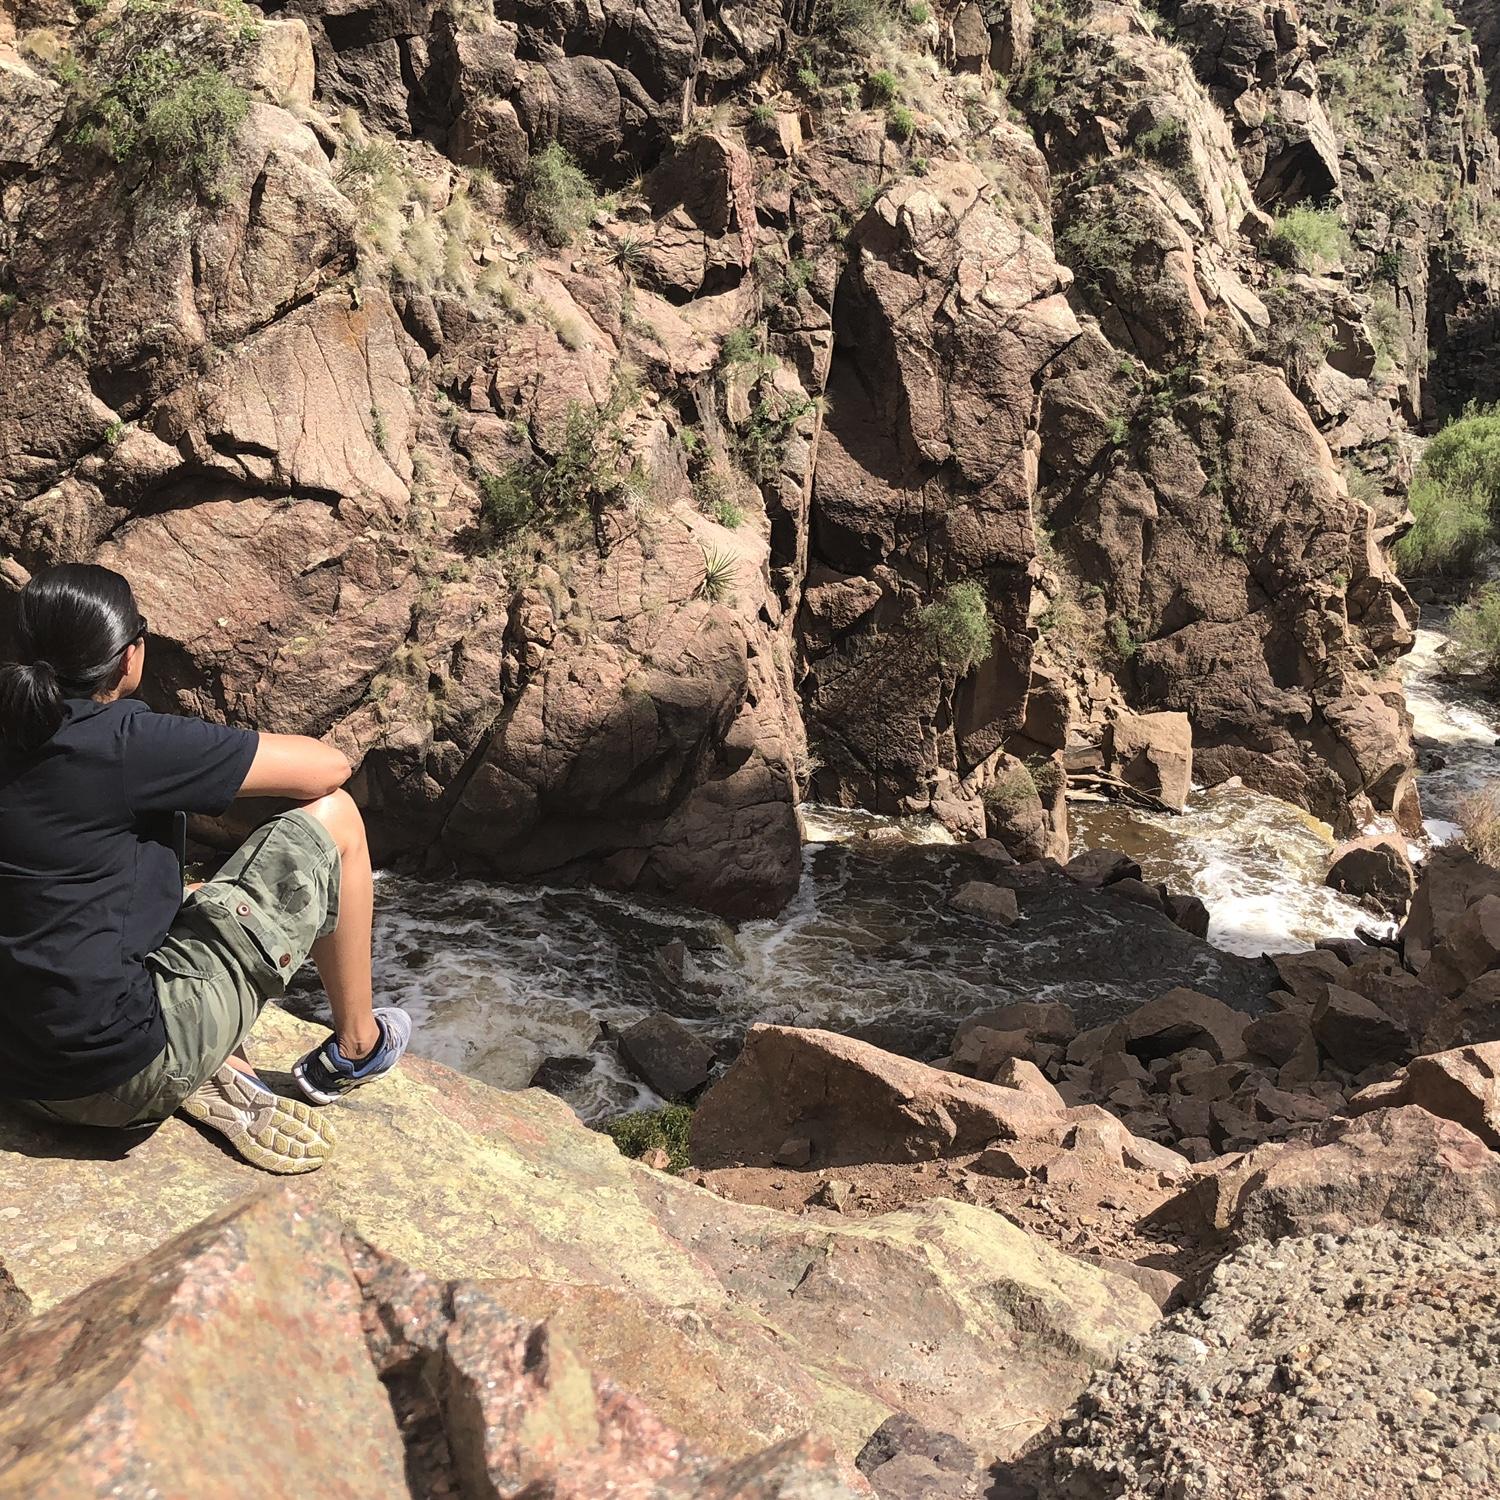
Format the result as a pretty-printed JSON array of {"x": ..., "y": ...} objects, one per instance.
[
  {"x": 855, "y": 1102},
  {"x": 1452, "y": 881},
  {"x": 171, "y": 1363},
  {"x": 1393, "y": 1166},
  {"x": 1376, "y": 872},
  {"x": 981, "y": 1050},
  {"x": 1153, "y": 752},
  {"x": 1098, "y": 867},
  {"x": 1017, "y": 1073},
  {"x": 991, "y": 903},
  {"x": 1355, "y": 1032},
  {"x": 1461, "y": 1085},
  {"x": 1180, "y": 1019},
  {"x": 15, "y": 1305},
  {"x": 663, "y": 1053},
  {"x": 1473, "y": 1015},
  {"x": 1279, "y": 1037},
  {"x": 1049, "y": 1020},
  {"x": 1308, "y": 975},
  {"x": 1399, "y": 1166}
]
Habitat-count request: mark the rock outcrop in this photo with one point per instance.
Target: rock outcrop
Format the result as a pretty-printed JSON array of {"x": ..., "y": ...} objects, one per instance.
[
  {"x": 742, "y": 1328},
  {"x": 985, "y": 451}
]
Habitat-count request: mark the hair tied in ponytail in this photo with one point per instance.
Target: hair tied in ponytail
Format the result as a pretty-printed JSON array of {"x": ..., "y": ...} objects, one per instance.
[
  {"x": 31, "y": 703},
  {"x": 73, "y": 624}
]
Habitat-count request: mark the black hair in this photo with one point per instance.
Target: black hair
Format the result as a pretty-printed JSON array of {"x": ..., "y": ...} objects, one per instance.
[{"x": 72, "y": 625}]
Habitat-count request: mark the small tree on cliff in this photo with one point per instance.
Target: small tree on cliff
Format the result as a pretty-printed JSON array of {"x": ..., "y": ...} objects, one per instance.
[{"x": 958, "y": 626}]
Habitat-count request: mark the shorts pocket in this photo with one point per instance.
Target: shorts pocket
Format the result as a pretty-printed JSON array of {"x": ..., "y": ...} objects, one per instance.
[{"x": 255, "y": 940}]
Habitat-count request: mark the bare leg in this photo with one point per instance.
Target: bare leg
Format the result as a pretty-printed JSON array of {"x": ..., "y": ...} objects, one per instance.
[{"x": 343, "y": 956}]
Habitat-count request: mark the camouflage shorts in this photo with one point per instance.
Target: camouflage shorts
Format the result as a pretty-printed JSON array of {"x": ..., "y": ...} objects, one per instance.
[{"x": 235, "y": 944}]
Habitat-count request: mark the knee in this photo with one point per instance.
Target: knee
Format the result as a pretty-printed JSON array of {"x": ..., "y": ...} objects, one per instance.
[{"x": 341, "y": 816}]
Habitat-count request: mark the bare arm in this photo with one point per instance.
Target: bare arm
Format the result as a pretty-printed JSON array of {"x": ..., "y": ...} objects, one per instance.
[{"x": 294, "y": 765}]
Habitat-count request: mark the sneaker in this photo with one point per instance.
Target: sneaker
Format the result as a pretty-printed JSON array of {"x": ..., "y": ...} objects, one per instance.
[
  {"x": 325, "y": 1075},
  {"x": 275, "y": 1134}
]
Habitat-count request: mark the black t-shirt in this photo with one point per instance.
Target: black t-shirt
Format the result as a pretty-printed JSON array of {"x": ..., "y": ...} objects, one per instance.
[{"x": 89, "y": 885}]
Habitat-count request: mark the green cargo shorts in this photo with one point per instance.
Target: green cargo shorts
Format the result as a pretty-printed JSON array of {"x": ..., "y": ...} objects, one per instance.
[{"x": 235, "y": 944}]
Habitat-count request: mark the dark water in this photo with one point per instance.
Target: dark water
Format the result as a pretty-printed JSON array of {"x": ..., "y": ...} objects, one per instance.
[{"x": 503, "y": 981}]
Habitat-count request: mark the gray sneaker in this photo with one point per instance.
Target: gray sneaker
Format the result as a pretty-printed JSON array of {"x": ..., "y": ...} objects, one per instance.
[
  {"x": 325, "y": 1075},
  {"x": 275, "y": 1134}
]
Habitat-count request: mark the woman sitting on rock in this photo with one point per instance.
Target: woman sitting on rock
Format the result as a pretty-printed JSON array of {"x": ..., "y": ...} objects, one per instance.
[{"x": 121, "y": 1001}]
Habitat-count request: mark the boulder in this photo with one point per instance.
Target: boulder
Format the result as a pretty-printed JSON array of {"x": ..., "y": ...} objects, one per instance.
[
  {"x": 1355, "y": 1032},
  {"x": 1153, "y": 752},
  {"x": 1410, "y": 1001},
  {"x": 1189, "y": 913},
  {"x": 737, "y": 1324},
  {"x": 1376, "y": 872},
  {"x": 991, "y": 903},
  {"x": 856, "y": 1103},
  {"x": 1048, "y": 1020},
  {"x": 1278, "y": 1037},
  {"x": 1392, "y": 1166},
  {"x": 1473, "y": 1015},
  {"x": 1096, "y": 867},
  {"x": 981, "y": 1050},
  {"x": 1180, "y": 1019},
  {"x": 176, "y": 1358},
  {"x": 1307, "y": 975},
  {"x": 1461, "y": 1085},
  {"x": 1452, "y": 881},
  {"x": 665, "y": 1055},
  {"x": 1468, "y": 948},
  {"x": 1018, "y": 1073}
]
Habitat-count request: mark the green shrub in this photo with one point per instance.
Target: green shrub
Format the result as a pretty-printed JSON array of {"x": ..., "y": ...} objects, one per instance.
[
  {"x": 1387, "y": 329},
  {"x": 1475, "y": 628},
  {"x": 762, "y": 116},
  {"x": 153, "y": 90},
  {"x": 652, "y": 1129},
  {"x": 797, "y": 274},
  {"x": 1047, "y": 776},
  {"x": 1121, "y": 639},
  {"x": 712, "y": 493},
  {"x": 882, "y": 87},
  {"x": 762, "y": 441},
  {"x": 1455, "y": 497},
  {"x": 507, "y": 501},
  {"x": 900, "y": 122},
  {"x": 538, "y": 491},
  {"x": 1012, "y": 790},
  {"x": 1309, "y": 237},
  {"x": 739, "y": 346},
  {"x": 958, "y": 626},
  {"x": 1165, "y": 141},
  {"x": 843, "y": 26},
  {"x": 807, "y": 78},
  {"x": 918, "y": 13},
  {"x": 557, "y": 199}
]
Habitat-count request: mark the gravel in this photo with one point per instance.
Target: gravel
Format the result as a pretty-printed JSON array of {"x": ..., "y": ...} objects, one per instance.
[{"x": 1324, "y": 1368}]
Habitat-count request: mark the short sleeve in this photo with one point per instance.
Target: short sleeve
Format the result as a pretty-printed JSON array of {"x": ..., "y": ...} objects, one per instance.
[{"x": 174, "y": 764}]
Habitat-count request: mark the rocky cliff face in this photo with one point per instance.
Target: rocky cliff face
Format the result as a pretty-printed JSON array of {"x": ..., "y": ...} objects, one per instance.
[{"x": 948, "y": 390}]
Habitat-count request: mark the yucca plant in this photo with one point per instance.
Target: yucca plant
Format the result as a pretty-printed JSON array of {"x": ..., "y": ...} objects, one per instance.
[{"x": 717, "y": 583}]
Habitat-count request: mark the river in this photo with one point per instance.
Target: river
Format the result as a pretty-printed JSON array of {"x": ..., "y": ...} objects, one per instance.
[{"x": 508, "y": 982}]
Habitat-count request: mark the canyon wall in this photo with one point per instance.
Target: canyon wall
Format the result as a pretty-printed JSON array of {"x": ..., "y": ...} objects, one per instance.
[{"x": 909, "y": 406}]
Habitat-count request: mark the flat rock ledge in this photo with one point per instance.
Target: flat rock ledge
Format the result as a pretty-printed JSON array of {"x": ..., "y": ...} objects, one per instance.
[{"x": 740, "y": 1328}]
